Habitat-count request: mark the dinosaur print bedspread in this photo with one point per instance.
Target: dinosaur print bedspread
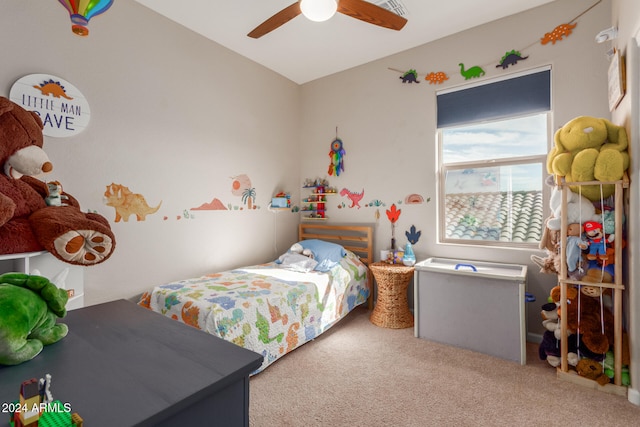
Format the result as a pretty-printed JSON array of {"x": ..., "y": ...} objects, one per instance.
[{"x": 265, "y": 308}]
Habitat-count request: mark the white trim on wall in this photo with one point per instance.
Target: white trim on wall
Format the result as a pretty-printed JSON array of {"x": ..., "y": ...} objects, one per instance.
[{"x": 633, "y": 64}]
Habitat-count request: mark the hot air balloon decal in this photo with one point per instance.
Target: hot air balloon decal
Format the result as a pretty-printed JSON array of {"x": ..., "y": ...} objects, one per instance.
[{"x": 81, "y": 11}]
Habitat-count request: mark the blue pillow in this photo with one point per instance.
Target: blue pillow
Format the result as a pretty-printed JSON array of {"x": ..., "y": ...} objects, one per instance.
[{"x": 327, "y": 254}]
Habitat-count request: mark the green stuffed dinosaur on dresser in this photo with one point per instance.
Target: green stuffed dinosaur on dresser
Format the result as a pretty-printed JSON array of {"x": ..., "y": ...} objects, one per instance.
[{"x": 29, "y": 308}]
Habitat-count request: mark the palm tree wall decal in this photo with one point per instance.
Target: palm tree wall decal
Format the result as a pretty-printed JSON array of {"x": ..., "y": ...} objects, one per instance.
[{"x": 249, "y": 197}]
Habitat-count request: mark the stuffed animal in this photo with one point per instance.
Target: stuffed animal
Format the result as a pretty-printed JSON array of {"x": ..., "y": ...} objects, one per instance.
[
  {"x": 551, "y": 319},
  {"x": 609, "y": 371},
  {"x": 550, "y": 242},
  {"x": 299, "y": 249},
  {"x": 54, "y": 194},
  {"x": 591, "y": 369},
  {"x": 579, "y": 208},
  {"x": 27, "y": 223},
  {"x": 590, "y": 149},
  {"x": 549, "y": 350},
  {"x": 298, "y": 258},
  {"x": 608, "y": 220},
  {"x": 29, "y": 306},
  {"x": 596, "y": 273},
  {"x": 596, "y": 240},
  {"x": 585, "y": 318}
]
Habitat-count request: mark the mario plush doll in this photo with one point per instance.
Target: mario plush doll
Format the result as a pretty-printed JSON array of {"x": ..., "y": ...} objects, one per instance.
[{"x": 597, "y": 242}]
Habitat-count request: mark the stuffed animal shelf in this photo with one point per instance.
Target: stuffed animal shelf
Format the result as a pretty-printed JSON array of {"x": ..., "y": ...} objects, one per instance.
[
  {"x": 27, "y": 222},
  {"x": 29, "y": 306}
]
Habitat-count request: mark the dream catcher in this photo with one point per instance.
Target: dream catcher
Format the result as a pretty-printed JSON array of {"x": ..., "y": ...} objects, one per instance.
[{"x": 337, "y": 156}]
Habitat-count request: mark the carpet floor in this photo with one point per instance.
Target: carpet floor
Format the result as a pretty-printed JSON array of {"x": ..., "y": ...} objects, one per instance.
[{"x": 357, "y": 374}]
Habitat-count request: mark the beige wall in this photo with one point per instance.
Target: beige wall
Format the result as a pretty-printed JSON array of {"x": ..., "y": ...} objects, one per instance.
[
  {"x": 388, "y": 128},
  {"x": 173, "y": 117},
  {"x": 626, "y": 17}
]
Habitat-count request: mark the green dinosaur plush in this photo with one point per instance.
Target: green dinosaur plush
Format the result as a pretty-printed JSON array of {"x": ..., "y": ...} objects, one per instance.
[{"x": 29, "y": 306}]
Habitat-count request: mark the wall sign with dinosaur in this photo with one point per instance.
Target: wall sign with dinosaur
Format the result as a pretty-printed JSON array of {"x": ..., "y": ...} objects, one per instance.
[{"x": 61, "y": 106}]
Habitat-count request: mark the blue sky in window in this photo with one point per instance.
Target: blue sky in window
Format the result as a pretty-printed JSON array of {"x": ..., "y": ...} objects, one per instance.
[{"x": 523, "y": 136}]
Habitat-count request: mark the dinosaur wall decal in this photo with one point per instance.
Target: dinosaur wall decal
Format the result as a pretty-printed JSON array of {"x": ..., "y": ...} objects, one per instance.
[{"x": 354, "y": 197}]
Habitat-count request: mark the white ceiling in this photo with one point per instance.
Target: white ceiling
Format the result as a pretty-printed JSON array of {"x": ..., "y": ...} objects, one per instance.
[{"x": 302, "y": 50}]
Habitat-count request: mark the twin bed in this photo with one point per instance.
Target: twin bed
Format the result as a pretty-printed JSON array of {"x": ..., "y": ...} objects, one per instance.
[{"x": 275, "y": 307}]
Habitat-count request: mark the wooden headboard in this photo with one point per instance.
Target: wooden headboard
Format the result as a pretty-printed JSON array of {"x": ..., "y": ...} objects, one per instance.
[{"x": 356, "y": 238}]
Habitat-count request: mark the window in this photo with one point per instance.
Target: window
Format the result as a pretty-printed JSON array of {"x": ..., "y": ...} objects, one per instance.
[{"x": 492, "y": 164}]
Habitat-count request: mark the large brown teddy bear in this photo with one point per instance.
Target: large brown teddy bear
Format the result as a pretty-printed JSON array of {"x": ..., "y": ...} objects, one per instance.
[{"x": 27, "y": 223}]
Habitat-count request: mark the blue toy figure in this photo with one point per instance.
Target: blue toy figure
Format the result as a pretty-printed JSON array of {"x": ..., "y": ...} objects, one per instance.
[{"x": 409, "y": 258}]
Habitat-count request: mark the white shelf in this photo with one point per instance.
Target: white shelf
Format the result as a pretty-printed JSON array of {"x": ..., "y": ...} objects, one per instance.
[
  {"x": 25, "y": 255},
  {"x": 48, "y": 266}
]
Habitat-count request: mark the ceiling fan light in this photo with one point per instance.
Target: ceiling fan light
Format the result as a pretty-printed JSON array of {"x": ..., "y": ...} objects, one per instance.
[{"x": 318, "y": 10}]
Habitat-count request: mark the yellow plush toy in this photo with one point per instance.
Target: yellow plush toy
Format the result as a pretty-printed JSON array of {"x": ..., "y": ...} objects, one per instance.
[{"x": 589, "y": 149}]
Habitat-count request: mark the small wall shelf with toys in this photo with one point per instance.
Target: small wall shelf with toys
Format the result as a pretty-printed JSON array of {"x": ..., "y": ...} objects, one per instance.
[
  {"x": 281, "y": 202},
  {"x": 314, "y": 205}
]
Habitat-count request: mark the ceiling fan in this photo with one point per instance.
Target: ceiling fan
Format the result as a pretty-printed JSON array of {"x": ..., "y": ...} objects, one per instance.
[{"x": 358, "y": 9}]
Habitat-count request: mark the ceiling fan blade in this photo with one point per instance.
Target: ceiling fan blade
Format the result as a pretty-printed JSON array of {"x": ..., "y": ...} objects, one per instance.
[
  {"x": 371, "y": 13},
  {"x": 280, "y": 18}
]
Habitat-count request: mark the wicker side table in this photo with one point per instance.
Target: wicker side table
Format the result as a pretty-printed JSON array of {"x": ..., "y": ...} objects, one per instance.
[{"x": 392, "y": 308}]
